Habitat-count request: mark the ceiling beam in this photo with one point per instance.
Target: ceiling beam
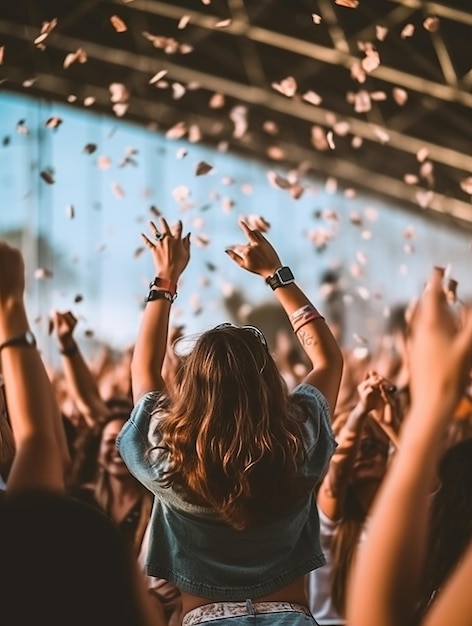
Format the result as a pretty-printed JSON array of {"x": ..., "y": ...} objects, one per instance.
[
  {"x": 309, "y": 49},
  {"x": 439, "y": 10},
  {"x": 247, "y": 94}
]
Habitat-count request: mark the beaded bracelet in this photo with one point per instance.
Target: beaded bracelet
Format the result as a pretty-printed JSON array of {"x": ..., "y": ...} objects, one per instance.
[{"x": 303, "y": 315}]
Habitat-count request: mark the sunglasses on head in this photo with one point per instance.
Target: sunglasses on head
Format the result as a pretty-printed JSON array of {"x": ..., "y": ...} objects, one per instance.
[
  {"x": 370, "y": 447},
  {"x": 253, "y": 329}
]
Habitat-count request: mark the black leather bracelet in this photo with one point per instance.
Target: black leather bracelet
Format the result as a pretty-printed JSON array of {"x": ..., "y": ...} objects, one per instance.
[
  {"x": 161, "y": 294},
  {"x": 69, "y": 351}
]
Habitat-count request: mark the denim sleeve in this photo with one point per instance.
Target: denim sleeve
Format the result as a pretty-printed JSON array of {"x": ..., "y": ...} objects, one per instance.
[
  {"x": 318, "y": 434},
  {"x": 133, "y": 442}
]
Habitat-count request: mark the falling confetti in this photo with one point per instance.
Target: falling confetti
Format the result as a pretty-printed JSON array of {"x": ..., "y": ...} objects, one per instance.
[
  {"x": 431, "y": 24},
  {"x": 184, "y": 20},
  {"x": 407, "y": 31},
  {"x": 203, "y": 168},
  {"x": 79, "y": 56},
  {"x": 287, "y": 86},
  {"x": 350, "y": 4},
  {"x": 53, "y": 122},
  {"x": 316, "y": 18},
  {"x": 118, "y": 24},
  {"x": 46, "y": 29},
  {"x": 47, "y": 176}
]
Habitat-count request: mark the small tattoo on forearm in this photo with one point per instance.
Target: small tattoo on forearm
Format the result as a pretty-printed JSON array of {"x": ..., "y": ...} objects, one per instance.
[{"x": 306, "y": 338}]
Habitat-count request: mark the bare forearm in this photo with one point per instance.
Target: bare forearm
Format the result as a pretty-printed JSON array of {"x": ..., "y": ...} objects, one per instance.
[
  {"x": 32, "y": 406},
  {"x": 81, "y": 382},
  {"x": 394, "y": 551},
  {"x": 150, "y": 348}
]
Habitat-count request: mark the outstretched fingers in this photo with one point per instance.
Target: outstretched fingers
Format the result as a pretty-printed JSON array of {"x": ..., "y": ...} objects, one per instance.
[{"x": 237, "y": 258}]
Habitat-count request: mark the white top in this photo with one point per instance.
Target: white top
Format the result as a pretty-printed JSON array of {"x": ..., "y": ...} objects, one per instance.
[{"x": 319, "y": 586}]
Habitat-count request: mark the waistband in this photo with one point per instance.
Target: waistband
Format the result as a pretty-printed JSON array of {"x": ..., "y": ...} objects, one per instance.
[{"x": 218, "y": 610}]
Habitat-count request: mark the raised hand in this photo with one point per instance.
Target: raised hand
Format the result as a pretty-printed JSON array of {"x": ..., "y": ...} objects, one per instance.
[
  {"x": 170, "y": 251},
  {"x": 63, "y": 324},
  {"x": 12, "y": 274},
  {"x": 439, "y": 348},
  {"x": 257, "y": 256}
]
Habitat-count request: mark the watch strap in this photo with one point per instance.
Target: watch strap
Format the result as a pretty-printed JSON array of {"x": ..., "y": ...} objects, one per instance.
[
  {"x": 163, "y": 283},
  {"x": 25, "y": 340},
  {"x": 277, "y": 279},
  {"x": 161, "y": 294}
]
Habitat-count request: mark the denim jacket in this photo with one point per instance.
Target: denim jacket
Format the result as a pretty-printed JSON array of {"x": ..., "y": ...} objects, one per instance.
[{"x": 203, "y": 556}]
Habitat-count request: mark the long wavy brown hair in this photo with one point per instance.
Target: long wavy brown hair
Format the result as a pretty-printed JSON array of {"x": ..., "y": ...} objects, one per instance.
[{"x": 232, "y": 431}]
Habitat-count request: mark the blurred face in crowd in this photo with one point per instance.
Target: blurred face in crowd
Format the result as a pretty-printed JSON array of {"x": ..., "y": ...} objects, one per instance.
[
  {"x": 108, "y": 456},
  {"x": 371, "y": 459}
]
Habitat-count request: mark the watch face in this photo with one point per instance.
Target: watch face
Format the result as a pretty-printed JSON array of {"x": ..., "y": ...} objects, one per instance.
[
  {"x": 30, "y": 338},
  {"x": 285, "y": 275}
]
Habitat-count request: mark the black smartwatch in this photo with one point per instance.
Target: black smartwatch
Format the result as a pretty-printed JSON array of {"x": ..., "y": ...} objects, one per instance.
[
  {"x": 26, "y": 340},
  {"x": 282, "y": 277},
  {"x": 158, "y": 294}
]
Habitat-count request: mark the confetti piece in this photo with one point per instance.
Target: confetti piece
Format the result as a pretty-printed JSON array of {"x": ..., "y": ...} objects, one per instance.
[
  {"x": 407, "y": 31},
  {"x": 270, "y": 127},
  {"x": 410, "y": 179},
  {"x": 203, "y": 168},
  {"x": 118, "y": 93},
  {"x": 362, "y": 102},
  {"x": 381, "y": 32},
  {"x": 342, "y": 128},
  {"x": 181, "y": 193},
  {"x": 318, "y": 138},
  {"x": 316, "y": 18},
  {"x": 206, "y": 2},
  {"x": 312, "y": 98},
  {"x": 378, "y": 96},
  {"x": 46, "y": 29},
  {"x": 71, "y": 98},
  {"x": 330, "y": 140},
  {"x": 104, "y": 162},
  {"x": 217, "y": 101},
  {"x": 78, "y": 298},
  {"x": 181, "y": 153},
  {"x": 42, "y": 273},
  {"x": 178, "y": 90},
  {"x": 53, "y": 122},
  {"x": 431, "y": 24},
  {"x": 194, "y": 133},
  {"x": 363, "y": 292},
  {"x": 21, "y": 128},
  {"x": 118, "y": 24},
  {"x": 79, "y": 56},
  {"x": 357, "y": 72},
  {"x": 184, "y": 20},
  {"x": 90, "y": 148},
  {"x": 422, "y": 154},
  {"x": 223, "y": 23},
  {"x": 157, "y": 77},
  {"x": 256, "y": 222},
  {"x": 466, "y": 185},
  {"x": 424, "y": 198},
  {"x": 89, "y": 100},
  {"x": 177, "y": 131},
  {"x": 371, "y": 61},
  {"x": 29, "y": 82},
  {"x": 381, "y": 134},
  {"x": 276, "y": 153},
  {"x": 331, "y": 185},
  {"x": 350, "y": 4},
  {"x": 117, "y": 191},
  {"x": 70, "y": 211},
  {"x": 238, "y": 115},
  {"x": 356, "y": 142},
  {"x": 360, "y": 339},
  {"x": 287, "y": 86},
  {"x": 400, "y": 96},
  {"x": 355, "y": 218},
  {"x": 47, "y": 176}
]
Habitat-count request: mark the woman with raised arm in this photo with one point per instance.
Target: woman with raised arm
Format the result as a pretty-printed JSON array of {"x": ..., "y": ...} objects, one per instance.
[
  {"x": 355, "y": 473},
  {"x": 61, "y": 560},
  {"x": 232, "y": 458},
  {"x": 386, "y": 580}
]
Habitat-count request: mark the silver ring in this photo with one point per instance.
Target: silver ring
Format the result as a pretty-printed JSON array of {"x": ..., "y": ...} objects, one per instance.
[{"x": 158, "y": 236}]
